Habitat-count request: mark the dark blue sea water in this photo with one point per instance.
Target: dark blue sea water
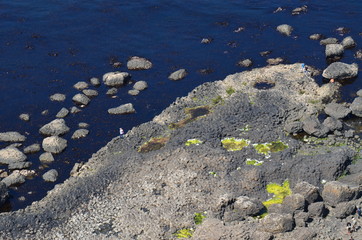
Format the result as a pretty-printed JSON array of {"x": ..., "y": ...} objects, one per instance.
[{"x": 48, "y": 46}]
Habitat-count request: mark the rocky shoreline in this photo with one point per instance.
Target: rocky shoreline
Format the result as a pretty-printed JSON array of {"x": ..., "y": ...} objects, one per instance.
[{"x": 203, "y": 168}]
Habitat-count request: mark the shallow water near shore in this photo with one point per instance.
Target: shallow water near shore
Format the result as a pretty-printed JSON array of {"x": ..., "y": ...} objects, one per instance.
[{"x": 48, "y": 46}]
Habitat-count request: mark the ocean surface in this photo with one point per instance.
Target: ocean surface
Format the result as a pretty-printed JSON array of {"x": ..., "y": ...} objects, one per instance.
[{"x": 48, "y": 46}]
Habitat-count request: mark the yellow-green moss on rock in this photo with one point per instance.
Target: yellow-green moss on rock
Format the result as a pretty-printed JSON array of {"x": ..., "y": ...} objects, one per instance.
[
  {"x": 153, "y": 144},
  {"x": 184, "y": 233},
  {"x": 235, "y": 144},
  {"x": 267, "y": 148},
  {"x": 193, "y": 141},
  {"x": 254, "y": 162},
  {"x": 193, "y": 114},
  {"x": 279, "y": 191}
]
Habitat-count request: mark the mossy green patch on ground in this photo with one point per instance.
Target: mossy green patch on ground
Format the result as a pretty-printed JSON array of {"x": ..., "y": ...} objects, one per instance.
[
  {"x": 198, "y": 218},
  {"x": 254, "y": 162},
  {"x": 267, "y": 148},
  {"x": 235, "y": 144},
  {"x": 193, "y": 114},
  {"x": 153, "y": 144},
  {"x": 184, "y": 233},
  {"x": 230, "y": 90},
  {"x": 193, "y": 141},
  {"x": 217, "y": 100},
  {"x": 279, "y": 191}
]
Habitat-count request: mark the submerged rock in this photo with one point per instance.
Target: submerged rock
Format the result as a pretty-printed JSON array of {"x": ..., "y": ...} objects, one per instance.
[
  {"x": 123, "y": 109},
  {"x": 133, "y": 92},
  {"x": 11, "y": 137},
  {"x": 112, "y": 91},
  {"x": 328, "y": 41},
  {"x": 178, "y": 75},
  {"x": 340, "y": 71},
  {"x": 116, "y": 79},
  {"x": 90, "y": 93},
  {"x": 138, "y": 63},
  {"x": 10, "y": 155},
  {"x": 54, "y": 144},
  {"x": 285, "y": 29},
  {"x": 245, "y": 63},
  {"x": 316, "y": 36},
  {"x": 54, "y": 128}
]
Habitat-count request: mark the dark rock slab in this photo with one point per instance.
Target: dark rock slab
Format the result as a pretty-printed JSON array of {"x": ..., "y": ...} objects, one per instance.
[
  {"x": 312, "y": 126},
  {"x": 277, "y": 223},
  {"x": 337, "y": 110},
  {"x": 344, "y": 209},
  {"x": 336, "y": 192},
  {"x": 317, "y": 209},
  {"x": 340, "y": 71},
  {"x": 4, "y": 193},
  {"x": 356, "y": 107},
  {"x": 308, "y": 191},
  {"x": 333, "y": 124}
]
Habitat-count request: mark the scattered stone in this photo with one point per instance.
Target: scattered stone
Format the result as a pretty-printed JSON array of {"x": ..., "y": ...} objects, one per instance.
[
  {"x": 335, "y": 192},
  {"x": 334, "y": 50},
  {"x": 349, "y": 133},
  {"x": 26, "y": 173},
  {"x": 57, "y": 97},
  {"x": 356, "y": 107},
  {"x": 285, "y": 29},
  {"x": 279, "y": 9},
  {"x": 123, "y": 109},
  {"x": 140, "y": 85},
  {"x": 83, "y": 125},
  {"x": 294, "y": 203},
  {"x": 11, "y": 137},
  {"x": 45, "y": 112},
  {"x": 300, "y": 10},
  {"x": 317, "y": 209},
  {"x": 50, "y": 176},
  {"x": 293, "y": 127},
  {"x": 80, "y": 85},
  {"x": 342, "y": 30},
  {"x": 14, "y": 178},
  {"x": 348, "y": 42},
  {"x": 32, "y": 148},
  {"x": 25, "y": 117},
  {"x": 80, "y": 133},
  {"x": 358, "y": 54},
  {"x": 4, "y": 194},
  {"x": 275, "y": 61},
  {"x": 10, "y": 155},
  {"x": 116, "y": 79},
  {"x": 81, "y": 99},
  {"x": 248, "y": 206},
  {"x": 359, "y": 93},
  {"x": 133, "y": 92},
  {"x": 54, "y": 144},
  {"x": 138, "y": 63},
  {"x": 62, "y": 113},
  {"x": 46, "y": 157},
  {"x": 3, "y": 174},
  {"x": 178, "y": 75},
  {"x": 95, "y": 81},
  {"x": 19, "y": 165},
  {"x": 265, "y": 53},
  {"x": 54, "y": 128},
  {"x": 344, "y": 209},
  {"x": 117, "y": 64},
  {"x": 206, "y": 40},
  {"x": 260, "y": 235},
  {"x": 112, "y": 91},
  {"x": 316, "y": 36},
  {"x": 328, "y": 41},
  {"x": 301, "y": 219},
  {"x": 74, "y": 110},
  {"x": 312, "y": 126},
  {"x": 277, "y": 223},
  {"x": 337, "y": 110},
  {"x": 245, "y": 63},
  {"x": 333, "y": 124},
  {"x": 340, "y": 71},
  {"x": 239, "y": 29},
  {"x": 90, "y": 93}
]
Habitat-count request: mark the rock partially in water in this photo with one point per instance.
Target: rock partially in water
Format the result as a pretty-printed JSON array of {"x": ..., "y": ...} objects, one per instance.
[
  {"x": 138, "y": 63},
  {"x": 80, "y": 133},
  {"x": 62, "y": 113},
  {"x": 112, "y": 91},
  {"x": 83, "y": 125},
  {"x": 95, "y": 81},
  {"x": 285, "y": 29},
  {"x": 328, "y": 41},
  {"x": 333, "y": 124},
  {"x": 275, "y": 61},
  {"x": 116, "y": 79},
  {"x": 75, "y": 110},
  {"x": 316, "y": 36},
  {"x": 178, "y": 75},
  {"x": 54, "y": 144},
  {"x": 14, "y": 178},
  {"x": 337, "y": 110},
  {"x": 57, "y": 97},
  {"x": 4, "y": 194},
  {"x": 334, "y": 50},
  {"x": 299, "y": 10},
  {"x": 10, "y": 155},
  {"x": 46, "y": 157},
  {"x": 356, "y": 107},
  {"x": 312, "y": 126},
  {"x": 50, "y": 176},
  {"x": 11, "y": 137},
  {"x": 81, "y": 99},
  {"x": 123, "y": 109},
  {"x": 340, "y": 71},
  {"x": 358, "y": 54},
  {"x": 140, "y": 85},
  {"x": 90, "y": 93},
  {"x": 25, "y": 117},
  {"x": 54, "y": 128},
  {"x": 348, "y": 42},
  {"x": 19, "y": 165},
  {"x": 32, "y": 148},
  {"x": 133, "y": 92},
  {"x": 206, "y": 40},
  {"x": 245, "y": 63},
  {"x": 80, "y": 85}
]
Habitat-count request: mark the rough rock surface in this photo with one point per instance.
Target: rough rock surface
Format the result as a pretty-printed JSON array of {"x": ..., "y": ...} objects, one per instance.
[
  {"x": 80, "y": 133},
  {"x": 81, "y": 99},
  {"x": 285, "y": 29},
  {"x": 356, "y": 107},
  {"x": 54, "y": 144},
  {"x": 340, "y": 71},
  {"x": 333, "y": 50},
  {"x": 178, "y": 75},
  {"x": 50, "y": 176},
  {"x": 337, "y": 110},
  {"x": 116, "y": 79},
  {"x": 4, "y": 194},
  {"x": 54, "y": 128},
  {"x": 149, "y": 184},
  {"x": 140, "y": 85},
  {"x": 123, "y": 109},
  {"x": 32, "y": 148},
  {"x": 138, "y": 63},
  {"x": 11, "y": 137},
  {"x": 10, "y": 155}
]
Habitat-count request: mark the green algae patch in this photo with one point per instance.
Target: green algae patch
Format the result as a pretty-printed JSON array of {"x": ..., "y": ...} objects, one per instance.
[
  {"x": 198, "y": 218},
  {"x": 272, "y": 147},
  {"x": 193, "y": 114},
  {"x": 234, "y": 144},
  {"x": 184, "y": 233},
  {"x": 153, "y": 144},
  {"x": 254, "y": 162},
  {"x": 279, "y": 191},
  {"x": 193, "y": 141},
  {"x": 230, "y": 91}
]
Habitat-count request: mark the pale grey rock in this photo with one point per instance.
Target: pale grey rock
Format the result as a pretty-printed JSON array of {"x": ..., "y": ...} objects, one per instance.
[
  {"x": 178, "y": 75},
  {"x": 90, "y": 93},
  {"x": 83, "y": 125},
  {"x": 54, "y": 128},
  {"x": 25, "y": 117},
  {"x": 140, "y": 85},
  {"x": 312, "y": 126},
  {"x": 80, "y": 85},
  {"x": 359, "y": 93},
  {"x": 123, "y": 109},
  {"x": 74, "y": 110},
  {"x": 334, "y": 50},
  {"x": 57, "y": 97},
  {"x": 340, "y": 71},
  {"x": 275, "y": 61},
  {"x": 46, "y": 157},
  {"x": 333, "y": 123},
  {"x": 80, "y": 133},
  {"x": 138, "y": 63},
  {"x": 112, "y": 91},
  {"x": 356, "y": 107},
  {"x": 50, "y": 176},
  {"x": 337, "y": 110},
  {"x": 116, "y": 79},
  {"x": 62, "y": 113},
  {"x": 19, "y": 165},
  {"x": 95, "y": 81},
  {"x": 54, "y": 144},
  {"x": 11, "y": 137},
  {"x": 299, "y": 10},
  {"x": 32, "y": 148},
  {"x": 285, "y": 29},
  {"x": 133, "y": 92},
  {"x": 348, "y": 42},
  {"x": 316, "y": 36},
  {"x": 328, "y": 41},
  {"x": 45, "y": 112},
  {"x": 81, "y": 99},
  {"x": 10, "y": 154},
  {"x": 245, "y": 63},
  {"x": 293, "y": 127},
  {"x": 14, "y": 178}
]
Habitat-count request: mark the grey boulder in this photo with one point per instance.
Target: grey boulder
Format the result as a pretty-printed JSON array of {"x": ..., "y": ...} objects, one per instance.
[
  {"x": 50, "y": 176},
  {"x": 336, "y": 192},
  {"x": 95, "y": 81},
  {"x": 10, "y": 155},
  {"x": 334, "y": 50},
  {"x": 25, "y": 117},
  {"x": 54, "y": 144},
  {"x": 62, "y": 113},
  {"x": 57, "y": 97},
  {"x": 337, "y": 110},
  {"x": 348, "y": 42},
  {"x": 312, "y": 126},
  {"x": 81, "y": 99},
  {"x": 123, "y": 109},
  {"x": 46, "y": 157},
  {"x": 340, "y": 71},
  {"x": 11, "y": 137},
  {"x": 54, "y": 128},
  {"x": 178, "y": 75},
  {"x": 138, "y": 63},
  {"x": 80, "y": 133},
  {"x": 277, "y": 223},
  {"x": 14, "y": 179},
  {"x": 356, "y": 107},
  {"x": 90, "y": 93},
  {"x": 80, "y": 85},
  {"x": 32, "y": 148},
  {"x": 140, "y": 85},
  {"x": 116, "y": 79},
  {"x": 285, "y": 29}
]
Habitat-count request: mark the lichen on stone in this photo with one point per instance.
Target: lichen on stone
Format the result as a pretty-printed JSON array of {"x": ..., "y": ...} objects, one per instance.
[
  {"x": 235, "y": 144},
  {"x": 193, "y": 141},
  {"x": 153, "y": 144},
  {"x": 184, "y": 233},
  {"x": 254, "y": 162},
  {"x": 279, "y": 191},
  {"x": 272, "y": 147}
]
